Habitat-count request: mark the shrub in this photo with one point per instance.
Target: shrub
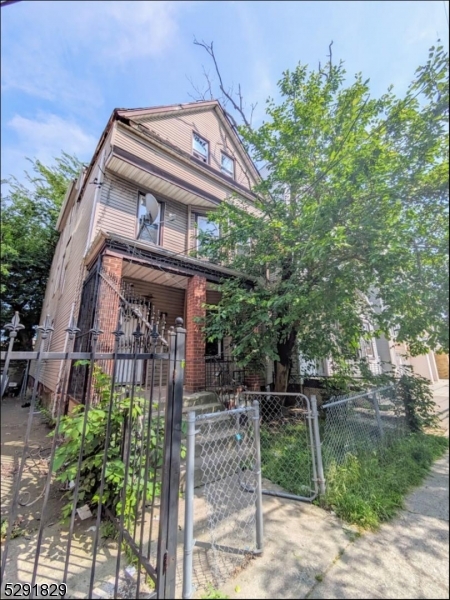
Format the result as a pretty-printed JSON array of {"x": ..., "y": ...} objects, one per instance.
[
  {"x": 420, "y": 409},
  {"x": 122, "y": 425}
]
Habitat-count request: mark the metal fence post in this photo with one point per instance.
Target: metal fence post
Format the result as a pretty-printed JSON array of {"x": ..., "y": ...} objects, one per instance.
[
  {"x": 14, "y": 327},
  {"x": 168, "y": 532},
  {"x": 189, "y": 508},
  {"x": 377, "y": 413},
  {"x": 317, "y": 443},
  {"x": 259, "y": 509}
]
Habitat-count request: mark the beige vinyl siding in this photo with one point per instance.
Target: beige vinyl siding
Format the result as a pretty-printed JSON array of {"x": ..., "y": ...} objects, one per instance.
[
  {"x": 117, "y": 208},
  {"x": 139, "y": 147},
  {"x": 117, "y": 213},
  {"x": 179, "y": 130},
  {"x": 71, "y": 247},
  {"x": 174, "y": 236}
]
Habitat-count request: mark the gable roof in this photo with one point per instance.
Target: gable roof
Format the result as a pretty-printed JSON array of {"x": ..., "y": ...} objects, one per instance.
[
  {"x": 134, "y": 114},
  {"x": 154, "y": 112}
]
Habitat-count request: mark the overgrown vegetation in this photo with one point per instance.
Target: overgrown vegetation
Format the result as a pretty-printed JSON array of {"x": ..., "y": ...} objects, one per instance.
[
  {"x": 350, "y": 220},
  {"x": 123, "y": 415},
  {"x": 370, "y": 488},
  {"x": 29, "y": 211},
  {"x": 286, "y": 457}
]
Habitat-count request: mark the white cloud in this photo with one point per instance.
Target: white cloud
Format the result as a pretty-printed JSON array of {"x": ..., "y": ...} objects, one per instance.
[
  {"x": 55, "y": 50},
  {"x": 45, "y": 137},
  {"x": 137, "y": 29}
]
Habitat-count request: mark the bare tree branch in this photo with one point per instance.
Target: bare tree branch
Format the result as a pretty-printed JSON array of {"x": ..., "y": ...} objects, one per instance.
[
  {"x": 330, "y": 57},
  {"x": 227, "y": 94},
  {"x": 207, "y": 94}
]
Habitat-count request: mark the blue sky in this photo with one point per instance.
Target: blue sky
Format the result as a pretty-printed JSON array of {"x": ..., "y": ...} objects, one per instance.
[{"x": 66, "y": 65}]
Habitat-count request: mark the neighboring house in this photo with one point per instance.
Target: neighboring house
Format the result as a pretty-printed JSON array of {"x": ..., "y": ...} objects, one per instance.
[
  {"x": 133, "y": 215},
  {"x": 382, "y": 355}
]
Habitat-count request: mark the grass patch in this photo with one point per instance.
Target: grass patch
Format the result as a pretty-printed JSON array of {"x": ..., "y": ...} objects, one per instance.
[
  {"x": 370, "y": 488},
  {"x": 286, "y": 457}
]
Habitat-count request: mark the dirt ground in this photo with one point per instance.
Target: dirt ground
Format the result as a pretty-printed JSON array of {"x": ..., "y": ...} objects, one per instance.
[{"x": 14, "y": 418}]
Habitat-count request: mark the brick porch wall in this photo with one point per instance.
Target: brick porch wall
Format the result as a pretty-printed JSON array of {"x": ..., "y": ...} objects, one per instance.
[
  {"x": 108, "y": 303},
  {"x": 195, "y": 340}
]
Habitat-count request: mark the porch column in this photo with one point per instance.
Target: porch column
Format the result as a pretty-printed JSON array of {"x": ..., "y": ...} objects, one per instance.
[
  {"x": 108, "y": 301},
  {"x": 195, "y": 339}
]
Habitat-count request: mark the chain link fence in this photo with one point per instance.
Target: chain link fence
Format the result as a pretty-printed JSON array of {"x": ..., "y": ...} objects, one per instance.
[
  {"x": 290, "y": 446},
  {"x": 225, "y": 513},
  {"x": 362, "y": 422}
]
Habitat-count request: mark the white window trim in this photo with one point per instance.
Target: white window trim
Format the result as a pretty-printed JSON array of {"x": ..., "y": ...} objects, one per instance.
[
  {"x": 224, "y": 171},
  {"x": 195, "y": 152},
  {"x": 197, "y": 217}
]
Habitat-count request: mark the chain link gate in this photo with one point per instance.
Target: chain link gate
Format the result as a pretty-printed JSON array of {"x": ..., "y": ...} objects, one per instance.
[
  {"x": 223, "y": 459},
  {"x": 291, "y": 455},
  {"x": 128, "y": 426}
]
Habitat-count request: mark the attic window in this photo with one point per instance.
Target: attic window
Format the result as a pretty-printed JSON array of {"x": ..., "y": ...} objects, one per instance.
[
  {"x": 200, "y": 148},
  {"x": 227, "y": 165}
]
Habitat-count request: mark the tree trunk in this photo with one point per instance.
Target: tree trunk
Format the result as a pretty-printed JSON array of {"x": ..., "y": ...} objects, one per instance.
[{"x": 283, "y": 366}]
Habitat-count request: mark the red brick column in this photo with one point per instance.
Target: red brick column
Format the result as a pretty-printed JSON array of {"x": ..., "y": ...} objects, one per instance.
[
  {"x": 108, "y": 302},
  {"x": 195, "y": 339}
]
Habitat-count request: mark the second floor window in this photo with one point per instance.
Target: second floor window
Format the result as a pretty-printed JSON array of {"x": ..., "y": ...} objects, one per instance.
[
  {"x": 203, "y": 225},
  {"x": 200, "y": 148},
  {"x": 227, "y": 165},
  {"x": 149, "y": 218}
]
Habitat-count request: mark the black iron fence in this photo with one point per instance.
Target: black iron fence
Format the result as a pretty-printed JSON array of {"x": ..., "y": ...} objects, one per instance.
[
  {"x": 115, "y": 455},
  {"x": 225, "y": 378}
]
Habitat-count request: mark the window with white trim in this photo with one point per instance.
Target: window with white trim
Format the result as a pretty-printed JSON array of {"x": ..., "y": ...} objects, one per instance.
[
  {"x": 205, "y": 226},
  {"x": 148, "y": 225},
  {"x": 227, "y": 164},
  {"x": 200, "y": 148}
]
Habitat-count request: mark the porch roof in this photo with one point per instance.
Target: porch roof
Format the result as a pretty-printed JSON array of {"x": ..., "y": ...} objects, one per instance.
[{"x": 161, "y": 259}]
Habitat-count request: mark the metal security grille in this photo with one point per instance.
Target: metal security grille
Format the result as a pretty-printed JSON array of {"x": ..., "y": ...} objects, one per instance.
[
  {"x": 223, "y": 457},
  {"x": 125, "y": 471}
]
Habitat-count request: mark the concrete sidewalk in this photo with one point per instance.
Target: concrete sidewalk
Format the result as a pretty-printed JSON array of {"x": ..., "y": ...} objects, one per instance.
[{"x": 309, "y": 553}]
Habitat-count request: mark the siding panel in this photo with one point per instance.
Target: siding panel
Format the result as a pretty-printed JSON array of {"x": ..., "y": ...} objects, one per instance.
[
  {"x": 179, "y": 129},
  {"x": 117, "y": 210}
]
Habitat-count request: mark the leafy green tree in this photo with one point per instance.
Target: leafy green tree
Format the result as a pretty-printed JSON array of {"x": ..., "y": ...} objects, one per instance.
[
  {"x": 29, "y": 212},
  {"x": 352, "y": 219}
]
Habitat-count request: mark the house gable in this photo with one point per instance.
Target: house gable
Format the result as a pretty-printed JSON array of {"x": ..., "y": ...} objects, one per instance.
[{"x": 177, "y": 124}]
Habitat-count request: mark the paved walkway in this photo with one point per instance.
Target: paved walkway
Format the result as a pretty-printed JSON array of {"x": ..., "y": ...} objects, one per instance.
[
  {"x": 311, "y": 554},
  {"x": 407, "y": 558}
]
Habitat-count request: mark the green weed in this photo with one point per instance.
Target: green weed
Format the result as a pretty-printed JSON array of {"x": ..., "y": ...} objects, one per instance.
[
  {"x": 212, "y": 592},
  {"x": 370, "y": 488}
]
